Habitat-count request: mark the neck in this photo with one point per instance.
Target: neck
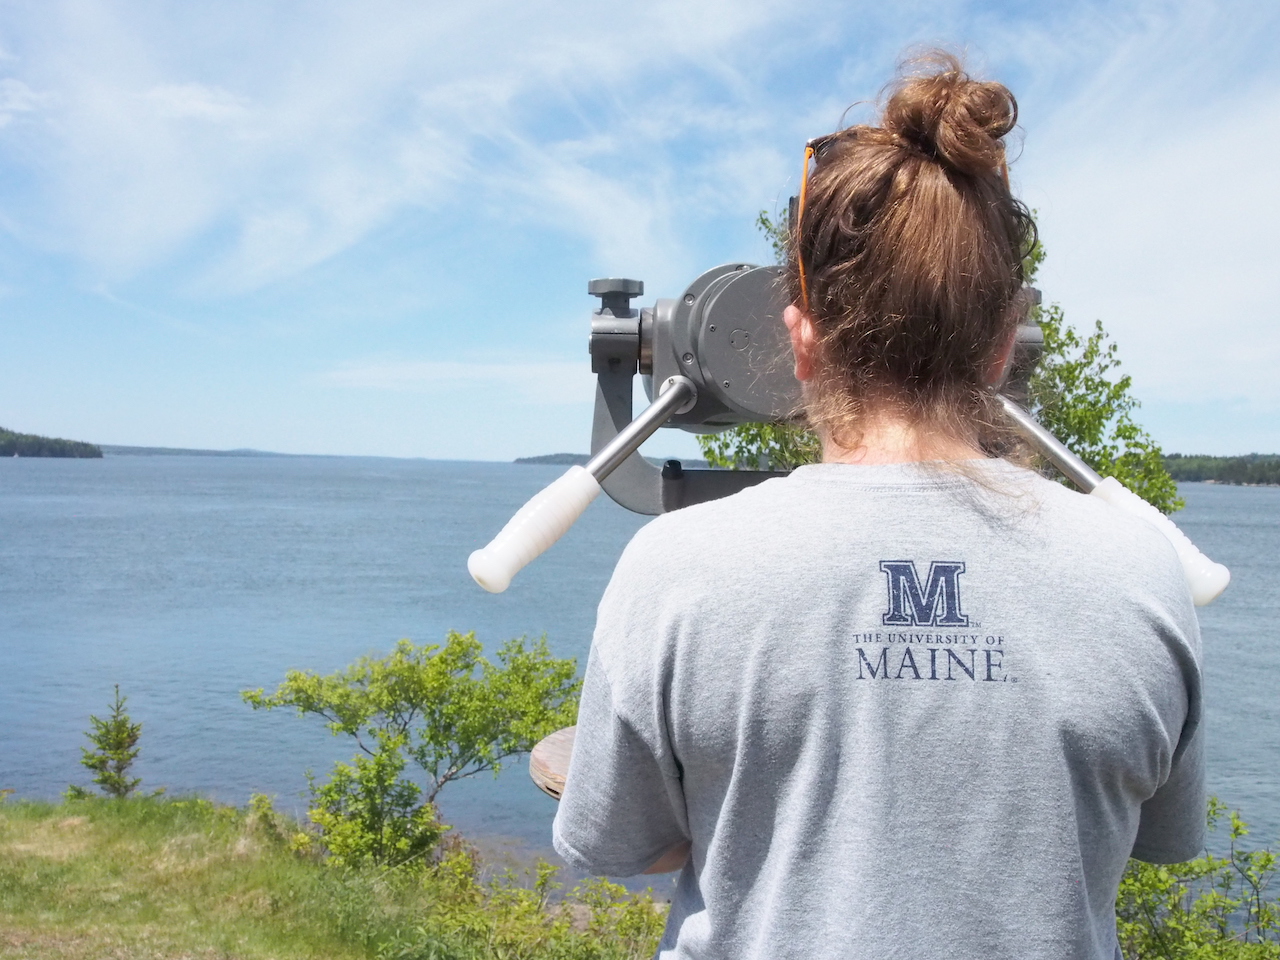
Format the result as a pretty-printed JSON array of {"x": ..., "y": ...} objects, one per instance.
[{"x": 895, "y": 441}]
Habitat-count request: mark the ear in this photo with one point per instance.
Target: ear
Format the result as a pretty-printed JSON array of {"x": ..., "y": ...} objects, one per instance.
[
  {"x": 999, "y": 365},
  {"x": 804, "y": 341}
]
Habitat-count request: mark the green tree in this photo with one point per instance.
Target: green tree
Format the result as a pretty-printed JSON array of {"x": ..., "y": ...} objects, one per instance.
[
  {"x": 1077, "y": 395},
  {"x": 1205, "y": 909},
  {"x": 115, "y": 747},
  {"x": 761, "y": 446},
  {"x": 1075, "y": 392},
  {"x": 445, "y": 710}
]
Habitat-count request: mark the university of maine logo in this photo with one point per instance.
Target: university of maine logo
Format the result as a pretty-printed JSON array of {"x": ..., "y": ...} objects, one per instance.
[{"x": 936, "y": 604}]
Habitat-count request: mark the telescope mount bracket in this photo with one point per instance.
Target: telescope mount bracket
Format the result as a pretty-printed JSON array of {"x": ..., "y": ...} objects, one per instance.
[{"x": 616, "y": 347}]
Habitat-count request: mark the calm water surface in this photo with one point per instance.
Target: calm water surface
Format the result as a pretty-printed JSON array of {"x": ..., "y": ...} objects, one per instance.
[{"x": 189, "y": 579}]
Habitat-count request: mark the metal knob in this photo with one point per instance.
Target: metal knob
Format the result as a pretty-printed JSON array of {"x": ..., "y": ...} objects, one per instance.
[{"x": 615, "y": 293}]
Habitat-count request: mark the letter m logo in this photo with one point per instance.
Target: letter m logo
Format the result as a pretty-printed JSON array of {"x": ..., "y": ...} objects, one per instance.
[{"x": 936, "y": 605}]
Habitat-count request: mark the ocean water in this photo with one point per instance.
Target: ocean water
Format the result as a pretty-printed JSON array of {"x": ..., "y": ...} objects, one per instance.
[{"x": 189, "y": 579}]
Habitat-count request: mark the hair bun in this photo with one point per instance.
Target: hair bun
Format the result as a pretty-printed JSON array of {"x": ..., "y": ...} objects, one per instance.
[{"x": 938, "y": 109}]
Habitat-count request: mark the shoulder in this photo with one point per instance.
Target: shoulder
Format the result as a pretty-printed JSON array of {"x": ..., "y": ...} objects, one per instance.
[
  {"x": 674, "y": 545},
  {"x": 1102, "y": 526},
  {"x": 684, "y": 565},
  {"x": 1113, "y": 556}
]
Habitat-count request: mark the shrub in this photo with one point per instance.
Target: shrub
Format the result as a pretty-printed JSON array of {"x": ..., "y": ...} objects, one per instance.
[
  {"x": 469, "y": 919},
  {"x": 368, "y": 812},
  {"x": 445, "y": 709},
  {"x": 1210, "y": 907}
]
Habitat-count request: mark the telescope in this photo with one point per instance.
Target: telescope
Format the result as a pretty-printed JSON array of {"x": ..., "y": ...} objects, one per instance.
[{"x": 718, "y": 356}]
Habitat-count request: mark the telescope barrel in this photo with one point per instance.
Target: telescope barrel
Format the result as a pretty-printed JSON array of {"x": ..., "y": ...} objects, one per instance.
[
  {"x": 1206, "y": 578},
  {"x": 553, "y": 510}
]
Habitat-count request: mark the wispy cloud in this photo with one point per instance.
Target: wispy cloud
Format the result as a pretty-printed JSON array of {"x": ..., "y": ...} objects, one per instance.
[
  {"x": 265, "y": 165},
  {"x": 292, "y": 171},
  {"x": 277, "y": 173},
  {"x": 1156, "y": 204},
  {"x": 17, "y": 98},
  {"x": 197, "y": 101}
]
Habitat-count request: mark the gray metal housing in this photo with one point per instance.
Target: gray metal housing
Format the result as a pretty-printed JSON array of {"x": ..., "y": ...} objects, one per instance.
[{"x": 725, "y": 333}]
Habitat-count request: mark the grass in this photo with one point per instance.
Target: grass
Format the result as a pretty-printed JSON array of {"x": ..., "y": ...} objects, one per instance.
[
  {"x": 157, "y": 878},
  {"x": 147, "y": 878},
  {"x": 161, "y": 879}
]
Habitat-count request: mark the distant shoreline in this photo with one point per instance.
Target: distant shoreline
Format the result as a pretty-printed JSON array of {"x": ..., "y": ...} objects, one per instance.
[
  {"x": 13, "y": 444},
  {"x": 580, "y": 460},
  {"x": 1251, "y": 470},
  {"x": 116, "y": 450},
  {"x": 558, "y": 459},
  {"x": 1231, "y": 483}
]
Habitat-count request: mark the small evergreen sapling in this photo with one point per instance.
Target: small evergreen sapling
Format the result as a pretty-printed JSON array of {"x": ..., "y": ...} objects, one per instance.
[{"x": 115, "y": 742}]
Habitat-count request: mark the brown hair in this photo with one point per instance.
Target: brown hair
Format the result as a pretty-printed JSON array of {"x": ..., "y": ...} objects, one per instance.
[{"x": 912, "y": 247}]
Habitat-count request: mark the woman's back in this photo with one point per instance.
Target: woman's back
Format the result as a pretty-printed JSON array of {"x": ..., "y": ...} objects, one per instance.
[
  {"x": 914, "y": 701},
  {"x": 899, "y": 712}
]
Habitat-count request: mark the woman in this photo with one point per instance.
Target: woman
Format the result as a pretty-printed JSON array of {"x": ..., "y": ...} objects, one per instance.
[{"x": 914, "y": 701}]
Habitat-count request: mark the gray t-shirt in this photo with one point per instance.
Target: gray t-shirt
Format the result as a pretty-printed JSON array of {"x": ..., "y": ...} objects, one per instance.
[{"x": 898, "y": 710}]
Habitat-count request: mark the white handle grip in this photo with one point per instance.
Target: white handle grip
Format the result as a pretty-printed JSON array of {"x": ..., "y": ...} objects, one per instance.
[
  {"x": 1205, "y": 578},
  {"x": 535, "y": 527}
]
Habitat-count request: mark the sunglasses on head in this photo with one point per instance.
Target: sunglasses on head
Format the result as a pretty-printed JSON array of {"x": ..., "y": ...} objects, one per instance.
[{"x": 813, "y": 150}]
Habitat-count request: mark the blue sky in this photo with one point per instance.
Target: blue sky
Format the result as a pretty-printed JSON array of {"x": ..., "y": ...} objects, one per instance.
[{"x": 367, "y": 228}]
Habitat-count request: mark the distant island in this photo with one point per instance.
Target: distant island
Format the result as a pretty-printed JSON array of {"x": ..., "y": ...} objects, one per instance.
[
  {"x": 1255, "y": 469},
  {"x": 29, "y": 445},
  {"x": 115, "y": 450},
  {"x": 558, "y": 459}
]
